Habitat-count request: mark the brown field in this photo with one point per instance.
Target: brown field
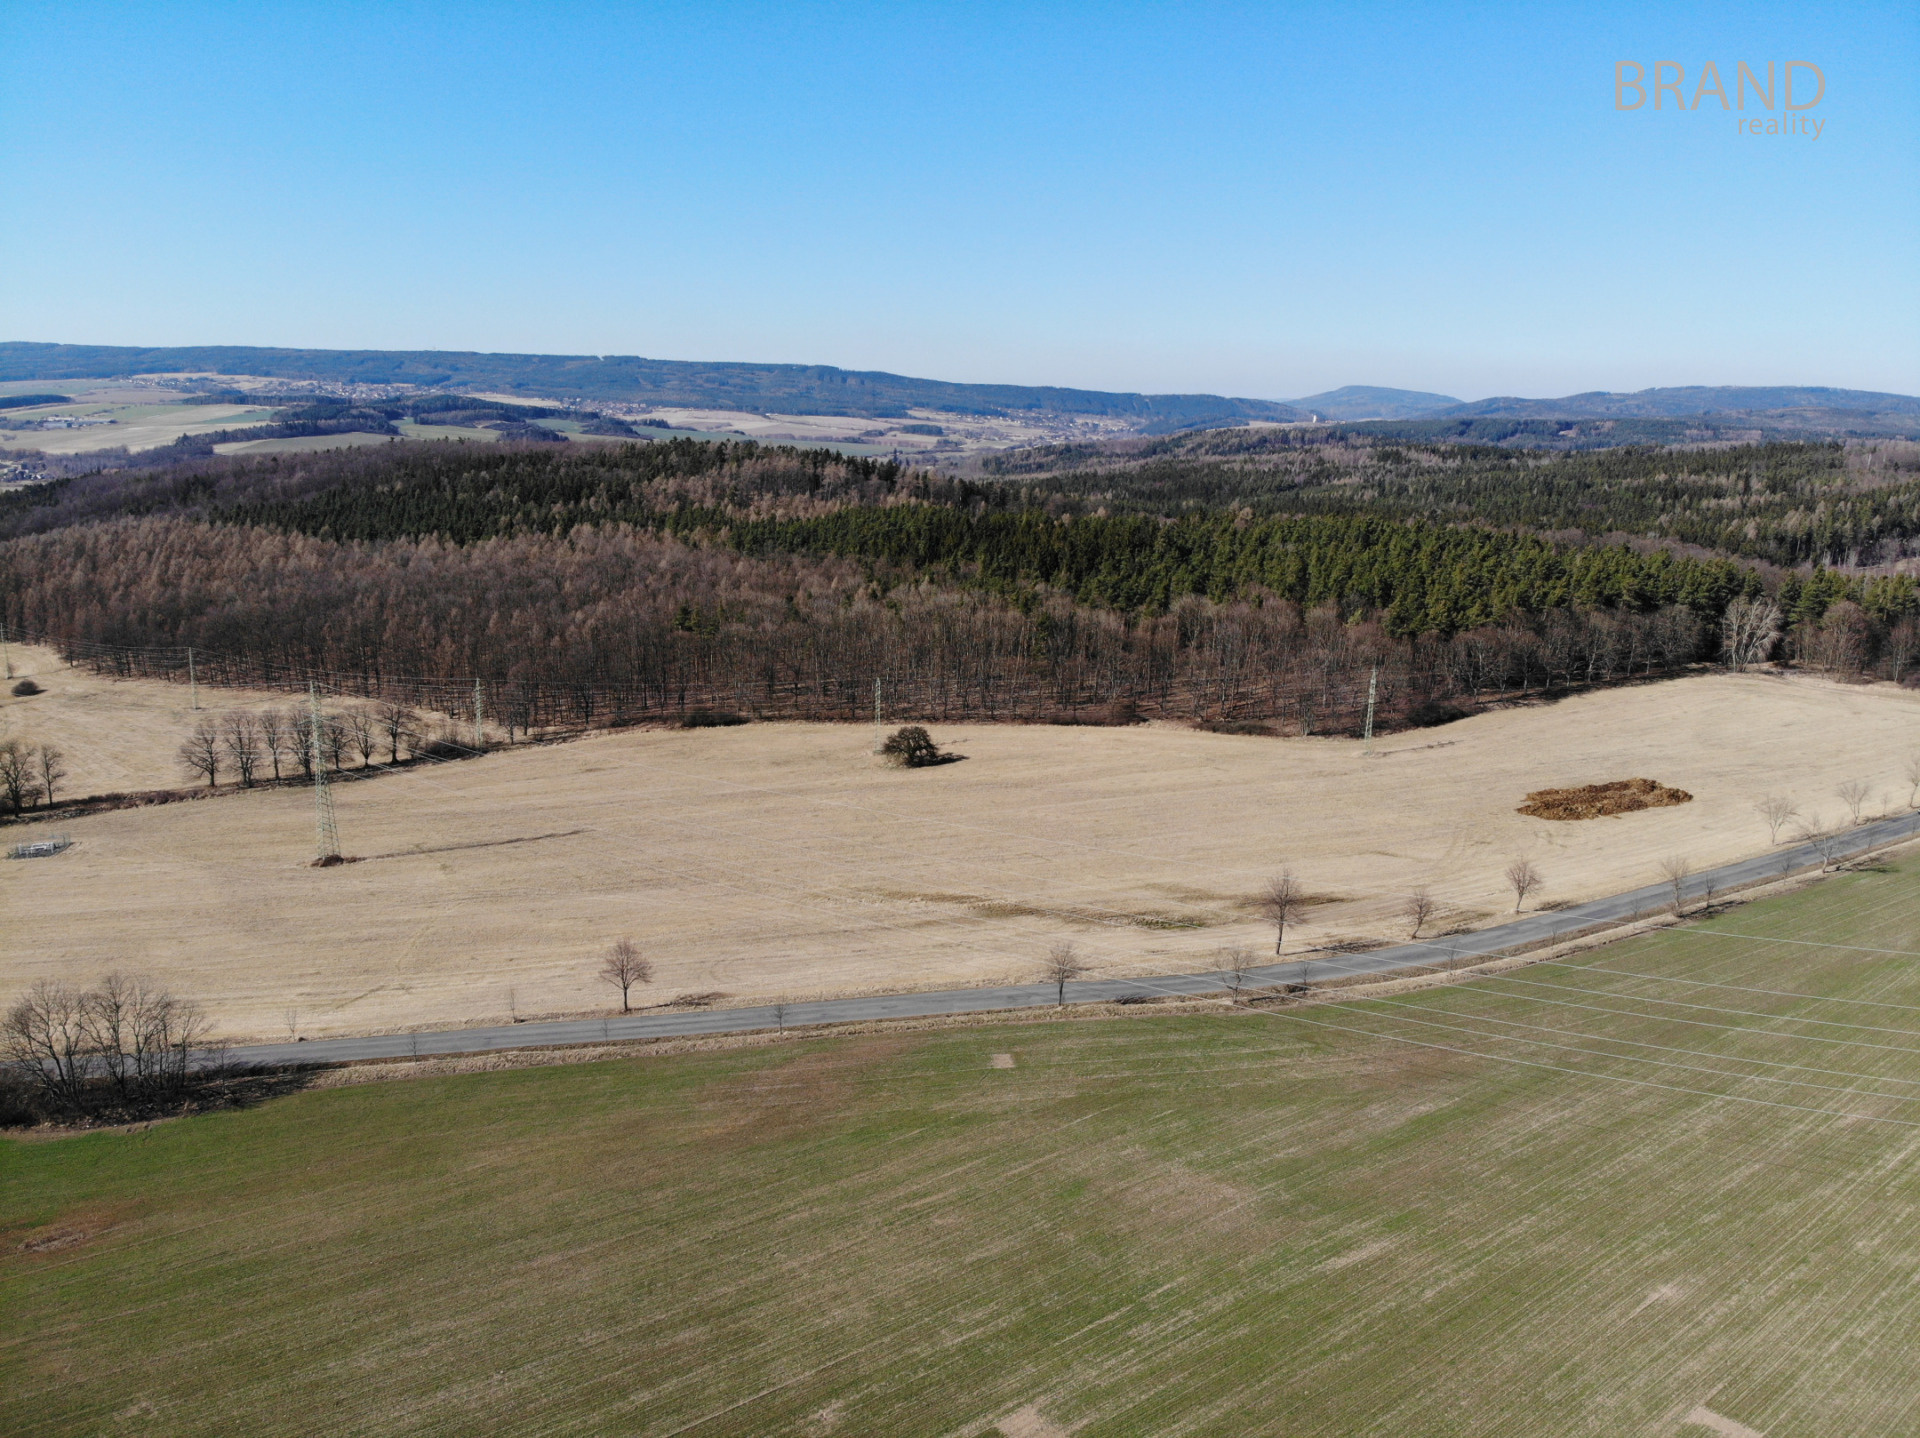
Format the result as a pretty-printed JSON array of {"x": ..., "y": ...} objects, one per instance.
[
  {"x": 118, "y": 735},
  {"x": 786, "y": 860}
]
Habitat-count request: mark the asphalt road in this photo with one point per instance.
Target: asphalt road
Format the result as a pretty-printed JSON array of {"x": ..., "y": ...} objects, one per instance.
[{"x": 1519, "y": 933}]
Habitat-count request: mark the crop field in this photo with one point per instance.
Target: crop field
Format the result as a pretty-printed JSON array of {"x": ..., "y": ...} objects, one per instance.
[
  {"x": 786, "y": 860},
  {"x": 1670, "y": 1182}
]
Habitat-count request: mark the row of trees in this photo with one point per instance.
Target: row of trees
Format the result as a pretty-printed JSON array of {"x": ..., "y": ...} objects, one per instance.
[{"x": 251, "y": 744}]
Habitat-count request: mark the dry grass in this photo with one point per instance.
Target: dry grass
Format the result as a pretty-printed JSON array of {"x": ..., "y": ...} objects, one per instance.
[
  {"x": 1553, "y": 1201},
  {"x": 785, "y": 860}
]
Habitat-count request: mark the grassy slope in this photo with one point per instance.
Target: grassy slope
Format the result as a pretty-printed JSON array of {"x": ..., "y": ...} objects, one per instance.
[{"x": 1159, "y": 1225}]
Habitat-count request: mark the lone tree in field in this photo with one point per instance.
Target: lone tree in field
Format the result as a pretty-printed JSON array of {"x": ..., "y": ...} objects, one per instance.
[
  {"x": 1854, "y": 794},
  {"x": 1778, "y": 810},
  {"x": 53, "y": 768},
  {"x": 911, "y": 748},
  {"x": 1523, "y": 879},
  {"x": 202, "y": 752},
  {"x": 1676, "y": 870},
  {"x": 396, "y": 722},
  {"x": 1417, "y": 909},
  {"x": 1064, "y": 965},
  {"x": 624, "y": 967},
  {"x": 1280, "y": 902}
]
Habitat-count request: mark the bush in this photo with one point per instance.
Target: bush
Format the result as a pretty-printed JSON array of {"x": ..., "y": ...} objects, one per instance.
[
  {"x": 711, "y": 719},
  {"x": 26, "y": 687},
  {"x": 912, "y": 748}
]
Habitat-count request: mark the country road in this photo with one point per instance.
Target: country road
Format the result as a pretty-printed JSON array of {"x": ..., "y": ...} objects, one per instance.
[{"x": 1516, "y": 934}]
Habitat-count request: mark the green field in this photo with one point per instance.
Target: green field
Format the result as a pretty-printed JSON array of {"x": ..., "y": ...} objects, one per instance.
[{"x": 1574, "y": 1210}]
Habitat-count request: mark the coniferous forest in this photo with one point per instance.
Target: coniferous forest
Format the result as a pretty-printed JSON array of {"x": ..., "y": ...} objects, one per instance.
[{"x": 590, "y": 584}]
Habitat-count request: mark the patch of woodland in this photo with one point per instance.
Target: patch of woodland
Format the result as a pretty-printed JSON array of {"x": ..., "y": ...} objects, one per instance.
[
  {"x": 123, "y": 1051},
  {"x": 1597, "y": 801}
]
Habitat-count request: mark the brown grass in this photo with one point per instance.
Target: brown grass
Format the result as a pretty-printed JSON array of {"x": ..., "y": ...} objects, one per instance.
[
  {"x": 784, "y": 861},
  {"x": 1597, "y": 801}
]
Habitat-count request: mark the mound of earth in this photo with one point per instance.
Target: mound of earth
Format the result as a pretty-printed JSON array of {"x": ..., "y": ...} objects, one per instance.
[{"x": 1594, "y": 801}]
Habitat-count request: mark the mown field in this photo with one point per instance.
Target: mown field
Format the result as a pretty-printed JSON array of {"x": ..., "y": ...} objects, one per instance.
[{"x": 1672, "y": 1177}]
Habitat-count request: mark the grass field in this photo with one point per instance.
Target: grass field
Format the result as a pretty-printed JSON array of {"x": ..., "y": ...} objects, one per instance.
[
  {"x": 1678, "y": 1175},
  {"x": 784, "y": 860}
]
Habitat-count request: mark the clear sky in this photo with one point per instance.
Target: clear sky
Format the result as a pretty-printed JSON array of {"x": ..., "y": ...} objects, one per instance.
[{"x": 1258, "y": 200}]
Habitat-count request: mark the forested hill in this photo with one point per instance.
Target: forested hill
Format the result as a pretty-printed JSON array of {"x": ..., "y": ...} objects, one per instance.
[
  {"x": 1418, "y": 576},
  {"x": 777, "y": 388}
]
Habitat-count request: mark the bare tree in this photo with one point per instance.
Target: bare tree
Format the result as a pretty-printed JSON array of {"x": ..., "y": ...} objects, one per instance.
[
  {"x": 1237, "y": 964},
  {"x": 1417, "y": 909},
  {"x": 53, "y": 768},
  {"x": 291, "y": 1018},
  {"x": 363, "y": 729},
  {"x": 780, "y": 1014},
  {"x": 1280, "y": 902},
  {"x": 1778, "y": 810},
  {"x": 276, "y": 739},
  {"x": 1913, "y": 780},
  {"x": 47, "y": 1039},
  {"x": 396, "y": 722},
  {"x": 1676, "y": 870},
  {"x": 1824, "y": 842},
  {"x": 19, "y": 774},
  {"x": 203, "y": 751},
  {"x": 1523, "y": 878},
  {"x": 240, "y": 739},
  {"x": 1749, "y": 630},
  {"x": 1854, "y": 795},
  {"x": 1064, "y": 965},
  {"x": 625, "y": 966}
]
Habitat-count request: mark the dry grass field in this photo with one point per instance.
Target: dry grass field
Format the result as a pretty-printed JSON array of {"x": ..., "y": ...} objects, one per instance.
[
  {"x": 119, "y": 736},
  {"x": 785, "y": 860},
  {"x": 1671, "y": 1184}
]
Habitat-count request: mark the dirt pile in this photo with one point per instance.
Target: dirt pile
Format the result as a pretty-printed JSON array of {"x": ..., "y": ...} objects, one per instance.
[{"x": 1595, "y": 801}]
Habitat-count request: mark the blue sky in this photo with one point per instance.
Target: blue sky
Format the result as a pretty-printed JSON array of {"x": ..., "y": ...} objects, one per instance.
[{"x": 1259, "y": 200}]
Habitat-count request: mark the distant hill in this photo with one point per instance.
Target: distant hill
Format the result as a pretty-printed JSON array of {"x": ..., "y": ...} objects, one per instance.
[
  {"x": 755, "y": 388},
  {"x": 1686, "y": 400},
  {"x": 1365, "y": 401}
]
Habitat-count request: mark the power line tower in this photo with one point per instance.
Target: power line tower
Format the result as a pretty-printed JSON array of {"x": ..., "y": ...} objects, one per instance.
[
  {"x": 879, "y": 737},
  {"x": 326, "y": 836},
  {"x": 479, "y": 735},
  {"x": 1373, "y": 691}
]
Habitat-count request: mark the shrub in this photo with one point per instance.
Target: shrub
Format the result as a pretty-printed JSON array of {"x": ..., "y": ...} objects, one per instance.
[
  {"x": 912, "y": 748},
  {"x": 27, "y": 687},
  {"x": 711, "y": 719}
]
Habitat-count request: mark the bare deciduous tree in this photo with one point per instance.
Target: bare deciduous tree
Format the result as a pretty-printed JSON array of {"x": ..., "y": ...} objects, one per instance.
[
  {"x": 1523, "y": 878},
  {"x": 362, "y": 727},
  {"x": 1237, "y": 963},
  {"x": 1824, "y": 842},
  {"x": 53, "y": 768},
  {"x": 240, "y": 738},
  {"x": 1778, "y": 810},
  {"x": 1064, "y": 965},
  {"x": 625, "y": 966},
  {"x": 202, "y": 752},
  {"x": 19, "y": 774},
  {"x": 47, "y": 1040},
  {"x": 1854, "y": 794},
  {"x": 276, "y": 739},
  {"x": 1417, "y": 909},
  {"x": 396, "y": 722},
  {"x": 1749, "y": 631},
  {"x": 1280, "y": 902},
  {"x": 1912, "y": 772},
  {"x": 1676, "y": 870}
]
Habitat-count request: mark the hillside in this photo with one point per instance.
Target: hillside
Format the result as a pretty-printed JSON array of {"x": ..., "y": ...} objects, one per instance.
[{"x": 785, "y": 388}]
